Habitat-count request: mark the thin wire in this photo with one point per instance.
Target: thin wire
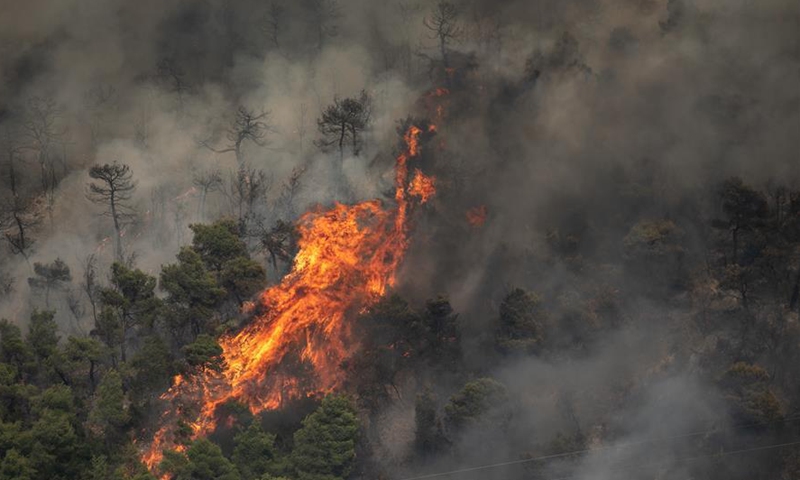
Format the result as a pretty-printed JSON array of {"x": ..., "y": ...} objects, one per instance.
[
  {"x": 593, "y": 450},
  {"x": 697, "y": 457}
]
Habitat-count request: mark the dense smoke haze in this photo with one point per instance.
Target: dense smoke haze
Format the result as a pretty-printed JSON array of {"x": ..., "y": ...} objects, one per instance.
[{"x": 605, "y": 284}]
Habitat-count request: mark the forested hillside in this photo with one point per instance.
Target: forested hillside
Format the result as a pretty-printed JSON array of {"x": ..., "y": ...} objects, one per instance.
[{"x": 342, "y": 239}]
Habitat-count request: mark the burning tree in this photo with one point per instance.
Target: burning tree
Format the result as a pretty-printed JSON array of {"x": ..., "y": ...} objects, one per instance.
[{"x": 347, "y": 259}]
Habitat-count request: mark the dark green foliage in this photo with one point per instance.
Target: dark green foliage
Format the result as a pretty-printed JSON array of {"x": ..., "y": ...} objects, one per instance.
[
  {"x": 133, "y": 291},
  {"x": 99, "y": 469},
  {"x": 58, "y": 398},
  {"x": 152, "y": 365},
  {"x": 218, "y": 243},
  {"x": 13, "y": 349},
  {"x": 324, "y": 448},
  {"x": 81, "y": 357},
  {"x": 203, "y": 461},
  {"x": 745, "y": 210},
  {"x": 204, "y": 352},
  {"x": 49, "y": 276},
  {"x": 42, "y": 340},
  {"x": 255, "y": 453},
  {"x": 55, "y": 445},
  {"x": 42, "y": 334},
  {"x": 193, "y": 293},
  {"x": 225, "y": 254},
  {"x": 520, "y": 323},
  {"x": 484, "y": 400},
  {"x": 242, "y": 278},
  {"x": 108, "y": 328},
  {"x": 394, "y": 337},
  {"x": 10, "y": 435},
  {"x": 16, "y": 398},
  {"x": 188, "y": 282},
  {"x": 109, "y": 412},
  {"x": 129, "y": 304},
  {"x": 443, "y": 342},
  {"x": 14, "y": 466},
  {"x": 8, "y": 391},
  {"x": 143, "y": 476},
  {"x": 428, "y": 436},
  {"x": 392, "y": 321}
]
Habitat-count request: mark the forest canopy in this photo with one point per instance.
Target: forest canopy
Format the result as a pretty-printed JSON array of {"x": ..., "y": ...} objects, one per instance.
[{"x": 344, "y": 240}]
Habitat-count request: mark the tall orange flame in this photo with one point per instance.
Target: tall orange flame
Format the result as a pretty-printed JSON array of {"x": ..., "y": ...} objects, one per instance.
[{"x": 347, "y": 259}]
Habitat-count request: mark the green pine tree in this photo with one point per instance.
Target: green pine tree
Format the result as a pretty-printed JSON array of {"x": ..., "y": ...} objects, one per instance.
[{"x": 324, "y": 448}]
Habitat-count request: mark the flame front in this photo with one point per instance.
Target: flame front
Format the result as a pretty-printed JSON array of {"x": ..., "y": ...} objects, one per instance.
[
  {"x": 347, "y": 258},
  {"x": 422, "y": 186}
]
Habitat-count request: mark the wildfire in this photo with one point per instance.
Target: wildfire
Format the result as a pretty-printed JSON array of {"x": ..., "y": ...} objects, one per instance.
[
  {"x": 422, "y": 186},
  {"x": 476, "y": 216},
  {"x": 347, "y": 259},
  {"x": 436, "y": 101}
]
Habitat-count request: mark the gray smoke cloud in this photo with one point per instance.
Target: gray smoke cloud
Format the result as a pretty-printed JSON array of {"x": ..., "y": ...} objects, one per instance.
[{"x": 564, "y": 119}]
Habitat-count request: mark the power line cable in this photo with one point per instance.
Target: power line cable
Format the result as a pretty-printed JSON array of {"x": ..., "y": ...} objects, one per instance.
[
  {"x": 790, "y": 419},
  {"x": 696, "y": 457}
]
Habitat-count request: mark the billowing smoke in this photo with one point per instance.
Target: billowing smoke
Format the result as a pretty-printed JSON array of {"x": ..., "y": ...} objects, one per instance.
[{"x": 567, "y": 133}]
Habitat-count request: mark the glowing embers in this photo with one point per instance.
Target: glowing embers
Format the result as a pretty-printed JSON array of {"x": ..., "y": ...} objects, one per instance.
[{"x": 422, "y": 186}]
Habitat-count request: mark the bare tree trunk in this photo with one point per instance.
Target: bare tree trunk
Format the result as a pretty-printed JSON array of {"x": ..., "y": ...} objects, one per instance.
[
  {"x": 239, "y": 154},
  {"x": 202, "y": 212},
  {"x": 117, "y": 229},
  {"x": 341, "y": 143},
  {"x": 443, "y": 50}
]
